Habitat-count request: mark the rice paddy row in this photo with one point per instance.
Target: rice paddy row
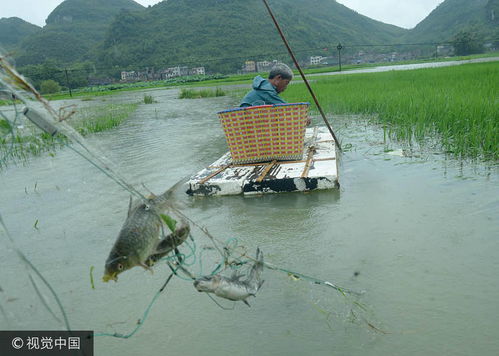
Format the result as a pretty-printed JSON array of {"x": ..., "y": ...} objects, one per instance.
[
  {"x": 201, "y": 93},
  {"x": 459, "y": 105},
  {"x": 21, "y": 142}
]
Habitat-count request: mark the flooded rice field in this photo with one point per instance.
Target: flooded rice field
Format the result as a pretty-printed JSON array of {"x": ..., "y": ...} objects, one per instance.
[
  {"x": 415, "y": 231},
  {"x": 411, "y": 66}
]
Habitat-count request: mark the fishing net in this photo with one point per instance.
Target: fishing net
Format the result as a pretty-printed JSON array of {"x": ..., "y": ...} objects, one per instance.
[{"x": 25, "y": 118}]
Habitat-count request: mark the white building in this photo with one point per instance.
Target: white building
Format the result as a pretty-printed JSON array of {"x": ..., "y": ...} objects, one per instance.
[
  {"x": 127, "y": 76},
  {"x": 183, "y": 71},
  {"x": 178, "y": 71},
  {"x": 249, "y": 66},
  {"x": 315, "y": 60},
  {"x": 265, "y": 66},
  {"x": 198, "y": 71}
]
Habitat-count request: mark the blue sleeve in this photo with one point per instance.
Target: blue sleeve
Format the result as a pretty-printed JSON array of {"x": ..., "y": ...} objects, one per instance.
[{"x": 261, "y": 97}]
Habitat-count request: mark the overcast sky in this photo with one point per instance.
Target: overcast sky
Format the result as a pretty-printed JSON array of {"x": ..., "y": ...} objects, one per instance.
[{"x": 403, "y": 13}]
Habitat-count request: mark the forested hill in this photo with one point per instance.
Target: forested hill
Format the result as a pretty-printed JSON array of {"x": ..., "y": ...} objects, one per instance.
[
  {"x": 73, "y": 31},
  {"x": 213, "y": 32},
  {"x": 90, "y": 11},
  {"x": 13, "y": 30},
  {"x": 220, "y": 34},
  {"x": 452, "y": 16}
]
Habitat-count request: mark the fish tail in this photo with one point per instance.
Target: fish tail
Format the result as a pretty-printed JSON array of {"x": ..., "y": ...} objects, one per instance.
[
  {"x": 259, "y": 257},
  {"x": 258, "y": 266},
  {"x": 256, "y": 270}
]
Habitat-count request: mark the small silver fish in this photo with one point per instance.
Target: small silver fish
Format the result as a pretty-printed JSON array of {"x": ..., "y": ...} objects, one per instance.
[
  {"x": 233, "y": 288},
  {"x": 139, "y": 242}
]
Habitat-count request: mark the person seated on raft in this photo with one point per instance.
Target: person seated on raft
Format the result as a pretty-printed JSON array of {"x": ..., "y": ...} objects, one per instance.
[{"x": 266, "y": 92}]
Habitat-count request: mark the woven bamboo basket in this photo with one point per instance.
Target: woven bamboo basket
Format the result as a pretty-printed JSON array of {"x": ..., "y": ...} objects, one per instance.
[{"x": 265, "y": 133}]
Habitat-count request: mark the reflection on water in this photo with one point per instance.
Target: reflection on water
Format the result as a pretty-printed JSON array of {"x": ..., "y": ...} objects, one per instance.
[{"x": 418, "y": 234}]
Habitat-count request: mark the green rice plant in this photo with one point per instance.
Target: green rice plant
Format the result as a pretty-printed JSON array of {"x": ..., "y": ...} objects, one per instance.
[
  {"x": 187, "y": 93},
  {"x": 32, "y": 142},
  {"x": 102, "y": 118},
  {"x": 148, "y": 99},
  {"x": 459, "y": 105},
  {"x": 201, "y": 93},
  {"x": 219, "y": 92}
]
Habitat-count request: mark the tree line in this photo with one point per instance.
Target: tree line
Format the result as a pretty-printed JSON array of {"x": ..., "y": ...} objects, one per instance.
[{"x": 51, "y": 75}]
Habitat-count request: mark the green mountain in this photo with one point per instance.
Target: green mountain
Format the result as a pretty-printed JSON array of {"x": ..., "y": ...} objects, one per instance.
[
  {"x": 73, "y": 30},
  {"x": 13, "y": 30},
  {"x": 221, "y": 34},
  {"x": 453, "y": 16}
]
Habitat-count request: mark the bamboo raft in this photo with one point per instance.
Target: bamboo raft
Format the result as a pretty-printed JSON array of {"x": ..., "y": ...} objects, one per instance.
[{"x": 317, "y": 170}]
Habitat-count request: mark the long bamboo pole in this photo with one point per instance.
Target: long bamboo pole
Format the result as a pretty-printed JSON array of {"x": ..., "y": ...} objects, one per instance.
[{"x": 302, "y": 74}]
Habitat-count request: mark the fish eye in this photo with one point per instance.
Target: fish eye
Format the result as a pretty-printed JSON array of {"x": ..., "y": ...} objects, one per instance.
[
  {"x": 146, "y": 207},
  {"x": 120, "y": 266}
]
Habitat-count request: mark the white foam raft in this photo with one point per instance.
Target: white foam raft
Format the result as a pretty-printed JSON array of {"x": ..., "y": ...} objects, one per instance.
[{"x": 317, "y": 170}]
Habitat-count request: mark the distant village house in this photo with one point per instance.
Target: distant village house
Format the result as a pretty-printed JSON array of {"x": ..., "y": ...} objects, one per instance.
[
  {"x": 197, "y": 71},
  {"x": 261, "y": 66},
  {"x": 317, "y": 60},
  {"x": 249, "y": 66},
  {"x": 128, "y": 76},
  {"x": 163, "y": 74}
]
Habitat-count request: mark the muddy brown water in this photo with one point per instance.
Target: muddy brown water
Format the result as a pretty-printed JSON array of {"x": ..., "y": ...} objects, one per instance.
[{"x": 417, "y": 231}]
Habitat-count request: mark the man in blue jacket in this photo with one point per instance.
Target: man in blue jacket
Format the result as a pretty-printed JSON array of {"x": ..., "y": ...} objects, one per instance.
[{"x": 266, "y": 92}]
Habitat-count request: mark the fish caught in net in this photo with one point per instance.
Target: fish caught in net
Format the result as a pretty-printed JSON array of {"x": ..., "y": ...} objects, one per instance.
[{"x": 156, "y": 233}]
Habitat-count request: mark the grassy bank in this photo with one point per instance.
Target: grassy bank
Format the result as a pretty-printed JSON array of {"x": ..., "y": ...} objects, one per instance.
[
  {"x": 27, "y": 140},
  {"x": 458, "y": 104}
]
